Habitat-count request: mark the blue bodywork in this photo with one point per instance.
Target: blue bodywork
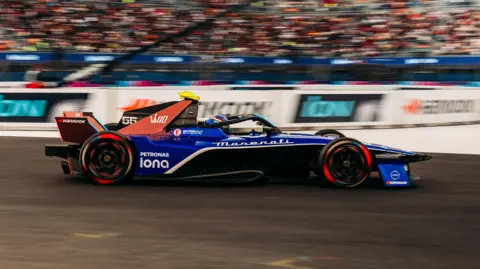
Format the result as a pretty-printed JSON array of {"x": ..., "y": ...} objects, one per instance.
[
  {"x": 187, "y": 149},
  {"x": 163, "y": 155}
]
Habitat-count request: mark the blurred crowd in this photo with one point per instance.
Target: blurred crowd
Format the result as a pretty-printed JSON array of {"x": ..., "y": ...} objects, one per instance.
[{"x": 326, "y": 28}]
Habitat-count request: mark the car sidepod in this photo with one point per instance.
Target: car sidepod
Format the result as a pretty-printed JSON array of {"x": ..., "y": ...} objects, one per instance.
[{"x": 157, "y": 159}]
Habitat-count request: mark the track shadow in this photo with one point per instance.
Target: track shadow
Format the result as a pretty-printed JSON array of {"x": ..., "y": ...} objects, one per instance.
[
  {"x": 373, "y": 183},
  {"x": 165, "y": 183}
]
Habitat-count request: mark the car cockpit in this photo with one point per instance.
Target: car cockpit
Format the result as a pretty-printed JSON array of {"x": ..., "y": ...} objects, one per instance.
[{"x": 189, "y": 118}]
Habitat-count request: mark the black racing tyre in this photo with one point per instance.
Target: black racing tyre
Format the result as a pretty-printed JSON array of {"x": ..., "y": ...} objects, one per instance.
[
  {"x": 345, "y": 162},
  {"x": 329, "y": 132},
  {"x": 107, "y": 157}
]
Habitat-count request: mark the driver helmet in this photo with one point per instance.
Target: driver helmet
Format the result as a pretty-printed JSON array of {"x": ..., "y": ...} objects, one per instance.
[{"x": 217, "y": 119}]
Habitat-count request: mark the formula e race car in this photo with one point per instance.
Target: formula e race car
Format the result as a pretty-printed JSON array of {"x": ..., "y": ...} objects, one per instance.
[{"x": 167, "y": 141}]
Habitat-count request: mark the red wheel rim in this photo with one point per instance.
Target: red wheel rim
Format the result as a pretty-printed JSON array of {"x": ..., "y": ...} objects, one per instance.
[
  {"x": 347, "y": 164},
  {"x": 106, "y": 162}
]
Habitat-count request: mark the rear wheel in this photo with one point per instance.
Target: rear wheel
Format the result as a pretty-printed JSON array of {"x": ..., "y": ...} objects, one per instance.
[
  {"x": 107, "y": 158},
  {"x": 329, "y": 133},
  {"x": 345, "y": 162}
]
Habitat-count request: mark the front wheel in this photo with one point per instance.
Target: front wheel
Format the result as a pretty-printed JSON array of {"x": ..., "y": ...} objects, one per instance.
[
  {"x": 345, "y": 162},
  {"x": 107, "y": 158}
]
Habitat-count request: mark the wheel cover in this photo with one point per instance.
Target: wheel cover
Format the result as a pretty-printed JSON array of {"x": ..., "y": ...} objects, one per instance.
[
  {"x": 347, "y": 165},
  {"x": 106, "y": 161}
]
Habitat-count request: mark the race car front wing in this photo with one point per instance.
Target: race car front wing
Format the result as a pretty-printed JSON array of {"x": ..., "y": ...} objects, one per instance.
[{"x": 394, "y": 169}]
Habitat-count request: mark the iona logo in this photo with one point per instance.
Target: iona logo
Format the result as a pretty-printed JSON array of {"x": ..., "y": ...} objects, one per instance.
[
  {"x": 177, "y": 132},
  {"x": 148, "y": 163}
]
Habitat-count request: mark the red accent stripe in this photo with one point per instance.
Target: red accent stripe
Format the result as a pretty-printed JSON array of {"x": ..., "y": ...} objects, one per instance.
[
  {"x": 69, "y": 166},
  {"x": 146, "y": 127},
  {"x": 109, "y": 136},
  {"x": 326, "y": 172},
  {"x": 367, "y": 155},
  {"x": 103, "y": 181}
]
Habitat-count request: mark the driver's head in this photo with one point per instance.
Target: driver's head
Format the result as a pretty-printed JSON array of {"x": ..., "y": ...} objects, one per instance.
[{"x": 217, "y": 119}]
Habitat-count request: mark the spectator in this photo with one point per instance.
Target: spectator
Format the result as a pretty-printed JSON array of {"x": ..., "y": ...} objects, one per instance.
[{"x": 401, "y": 28}]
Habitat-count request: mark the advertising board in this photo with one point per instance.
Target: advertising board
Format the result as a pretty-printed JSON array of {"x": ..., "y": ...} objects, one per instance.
[
  {"x": 314, "y": 108},
  {"x": 35, "y": 109},
  {"x": 38, "y": 108},
  {"x": 421, "y": 107},
  {"x": 35, "y": 57},
  {"x": 211, "y": 102},
  {"x": 325, "y": 108}
]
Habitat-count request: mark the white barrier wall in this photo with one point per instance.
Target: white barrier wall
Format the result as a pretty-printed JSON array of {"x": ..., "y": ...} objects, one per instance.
[
  {"x": 36, "y": 109},
  {"x": 310, "y": 107}
]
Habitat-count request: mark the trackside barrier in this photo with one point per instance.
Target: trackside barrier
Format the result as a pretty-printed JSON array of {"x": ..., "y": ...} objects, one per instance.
[
  {"x": 310, "y": 108},
  {"x": 323, "y": 87}
]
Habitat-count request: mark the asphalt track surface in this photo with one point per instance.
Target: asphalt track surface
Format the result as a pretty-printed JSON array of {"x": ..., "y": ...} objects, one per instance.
[{"x": 48, "y": 220}]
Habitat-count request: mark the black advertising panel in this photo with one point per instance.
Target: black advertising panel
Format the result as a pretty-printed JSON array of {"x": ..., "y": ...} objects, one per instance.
[
  {"x": 38, "y": 107},
  {"x": 317, "y": 108}
]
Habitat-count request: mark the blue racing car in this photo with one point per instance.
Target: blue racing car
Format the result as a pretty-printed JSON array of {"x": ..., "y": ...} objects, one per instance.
[{"x": 166, "y": 141}]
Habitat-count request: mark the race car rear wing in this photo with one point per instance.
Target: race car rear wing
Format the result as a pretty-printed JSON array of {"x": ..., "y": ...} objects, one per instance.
[{"x": 76, "y": 127}]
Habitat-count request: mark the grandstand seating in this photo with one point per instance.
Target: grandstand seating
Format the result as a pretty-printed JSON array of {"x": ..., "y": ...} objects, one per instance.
[{"x": 350, "y": 28}]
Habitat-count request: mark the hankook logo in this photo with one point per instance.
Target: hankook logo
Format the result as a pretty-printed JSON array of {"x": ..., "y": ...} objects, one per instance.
[{"x": 74, "y": 121}]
